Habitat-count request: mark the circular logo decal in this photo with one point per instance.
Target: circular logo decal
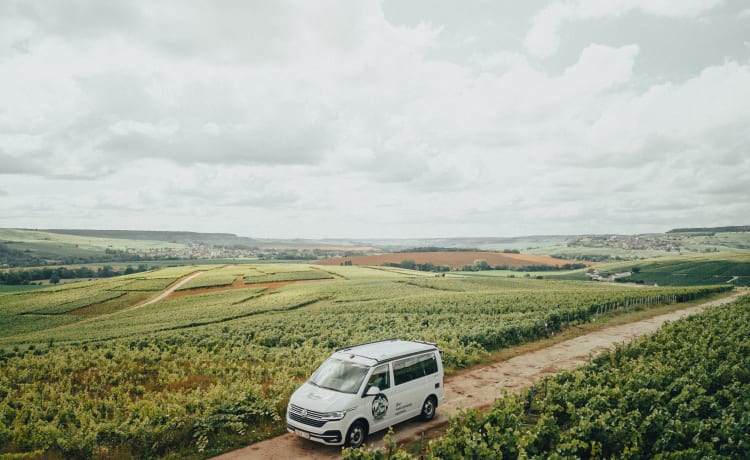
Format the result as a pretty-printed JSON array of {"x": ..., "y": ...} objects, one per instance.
[
  {"x": 379, "y": 406},
  {"x": 303, "y": 412}
]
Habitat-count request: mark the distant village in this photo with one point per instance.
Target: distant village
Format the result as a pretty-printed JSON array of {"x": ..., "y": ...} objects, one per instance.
[
  {"x": 653, "y": 242},
  {"x": 594, "y": 275},
  {"x": 629, "y": 242}
]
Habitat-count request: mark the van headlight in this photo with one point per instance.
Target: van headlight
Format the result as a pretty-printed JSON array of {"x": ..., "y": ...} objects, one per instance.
[{"x": 335, "y": 415}]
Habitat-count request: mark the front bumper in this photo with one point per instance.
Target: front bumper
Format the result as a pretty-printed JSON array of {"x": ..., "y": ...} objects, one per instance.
[{"x": 330, "y": 437}]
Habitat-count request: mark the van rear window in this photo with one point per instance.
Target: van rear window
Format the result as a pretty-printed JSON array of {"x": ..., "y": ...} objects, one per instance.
[{"x": 414, "y": 367}]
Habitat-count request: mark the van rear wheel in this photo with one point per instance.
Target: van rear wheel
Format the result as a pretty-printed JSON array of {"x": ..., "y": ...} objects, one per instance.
[
  {"x": 357, "y": 434},
  {"x": 428, "y": 409}
]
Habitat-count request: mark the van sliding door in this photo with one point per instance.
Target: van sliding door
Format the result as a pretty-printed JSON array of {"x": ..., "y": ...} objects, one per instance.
[{"x": 414, "y": 379}]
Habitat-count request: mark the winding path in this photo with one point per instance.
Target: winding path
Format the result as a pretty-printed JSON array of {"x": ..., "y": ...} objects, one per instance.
[{"x": 169, "y": 290}]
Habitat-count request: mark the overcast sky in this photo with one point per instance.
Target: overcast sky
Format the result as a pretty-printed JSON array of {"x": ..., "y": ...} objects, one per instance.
[{"x": 375, "y": 119}]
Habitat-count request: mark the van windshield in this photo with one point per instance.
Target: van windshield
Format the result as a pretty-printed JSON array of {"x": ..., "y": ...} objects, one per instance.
[{"x": 338, "y": 375}]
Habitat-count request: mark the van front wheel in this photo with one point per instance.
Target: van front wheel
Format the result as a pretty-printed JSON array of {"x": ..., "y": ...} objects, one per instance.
[
  {"x": 357, "y": 434},
  {"x": 428, "y": 409}
]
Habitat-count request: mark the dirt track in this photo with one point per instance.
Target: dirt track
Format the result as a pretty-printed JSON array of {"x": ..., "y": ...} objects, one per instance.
[{"x": 480, "y": 386}]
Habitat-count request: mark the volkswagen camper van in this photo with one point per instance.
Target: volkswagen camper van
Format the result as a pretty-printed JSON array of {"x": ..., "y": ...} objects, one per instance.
[{"x": 365, "y": 388}]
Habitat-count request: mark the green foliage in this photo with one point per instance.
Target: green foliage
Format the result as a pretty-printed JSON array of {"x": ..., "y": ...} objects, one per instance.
[
  {"x": 76, "y": 304},
  {"x": 36, "y": 311},
  {"x": 16, "y": 277},
  {"x": 147, "y": 284},
  {"x": 202, "y": 372},
  {"x": 223, "y": 276},
  {"x": 271, "y": 277},
  {"x": 682, "y": 393},
  {"x": 389, "y": 453}
]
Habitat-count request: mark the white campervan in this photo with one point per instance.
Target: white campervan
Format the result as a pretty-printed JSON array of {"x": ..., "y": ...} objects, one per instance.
[{"x": 365, "y": 388}]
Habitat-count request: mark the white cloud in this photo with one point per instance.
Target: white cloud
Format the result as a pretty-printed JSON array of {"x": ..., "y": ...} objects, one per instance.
[
  {"x": 272, "y": 82},
  {"x": 288, "y": 122},
  {"x": 600, "y": 68},
  {"x": 701, "y": 120},
  {"x": 543, "y": 38}
]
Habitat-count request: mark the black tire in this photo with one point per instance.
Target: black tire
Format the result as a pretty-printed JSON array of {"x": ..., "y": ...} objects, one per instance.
[
  {"x": 356, "y": 435},
  {"x": 428, "y": 409}
]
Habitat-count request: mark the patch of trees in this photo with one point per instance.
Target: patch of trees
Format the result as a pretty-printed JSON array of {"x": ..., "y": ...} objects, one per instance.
[
  {"x": 242, "y": 247},
  {"x": 587, "y": 257},
  {"x": 14, "y": 258},
  {"x": 546, "y": 268},
  {"x": 482, "y": 264},
  {"x": 710, "y": 230},
  {"x": 285, "y": 255},
  {"x": 27, "y": 258},
  {"x": 412, "y": 265},
  {"x": 438, "y": 249},
  {"x": 305, "y": 254},
  {"x": 54, "y": 275}
]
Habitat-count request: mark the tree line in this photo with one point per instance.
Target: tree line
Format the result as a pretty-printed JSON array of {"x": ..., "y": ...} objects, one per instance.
[
  {"x": 12, "y": 257},
  {"x": 481, "y": 264},
  {"x": 54, "y": 275}
]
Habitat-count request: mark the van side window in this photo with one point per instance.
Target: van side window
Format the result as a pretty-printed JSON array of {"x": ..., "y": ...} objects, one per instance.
[
  {"x": 414, "y": 367},
  {"x": 380, "y": 378},
  {"x": 430, "y": 365}
]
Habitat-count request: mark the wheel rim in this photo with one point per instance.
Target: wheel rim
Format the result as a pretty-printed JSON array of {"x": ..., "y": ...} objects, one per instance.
[
  {"x": 356, "y": 435},
  {"x": 429, "y": 408}
]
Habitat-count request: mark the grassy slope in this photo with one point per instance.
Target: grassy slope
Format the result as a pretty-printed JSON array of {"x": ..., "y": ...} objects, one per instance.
[
  {"x": 18, "y": 288},
  {"x": 716, "y": 268},
  {"x": 32, "y": 237},
  {"x": 53, "y": 246}
]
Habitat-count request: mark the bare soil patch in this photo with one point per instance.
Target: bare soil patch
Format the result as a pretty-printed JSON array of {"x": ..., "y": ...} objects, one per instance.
[{"x": 452, "y": 259}]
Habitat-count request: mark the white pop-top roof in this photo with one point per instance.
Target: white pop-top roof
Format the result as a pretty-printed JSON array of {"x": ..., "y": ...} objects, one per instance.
[{"x": 385, "y": 350}]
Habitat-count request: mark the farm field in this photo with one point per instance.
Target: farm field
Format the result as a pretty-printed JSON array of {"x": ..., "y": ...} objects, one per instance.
[
  {"x": 218, "y": 276},
  {"x": 18, "y": 288},
  {"x": 683, "y": 270},
  {"x": 686, "y": 270},
  {"x": 451, "y": 259},
  {"x": 682, "y": 392},
  {"x": 90, "y": 370}
]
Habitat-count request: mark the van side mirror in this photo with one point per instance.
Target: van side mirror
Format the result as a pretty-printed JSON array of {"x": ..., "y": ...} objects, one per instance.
[{"x": 372, "y": 391}]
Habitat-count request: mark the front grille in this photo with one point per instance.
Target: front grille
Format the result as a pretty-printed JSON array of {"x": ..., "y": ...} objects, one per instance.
[{"x": 310, "y": 417}]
